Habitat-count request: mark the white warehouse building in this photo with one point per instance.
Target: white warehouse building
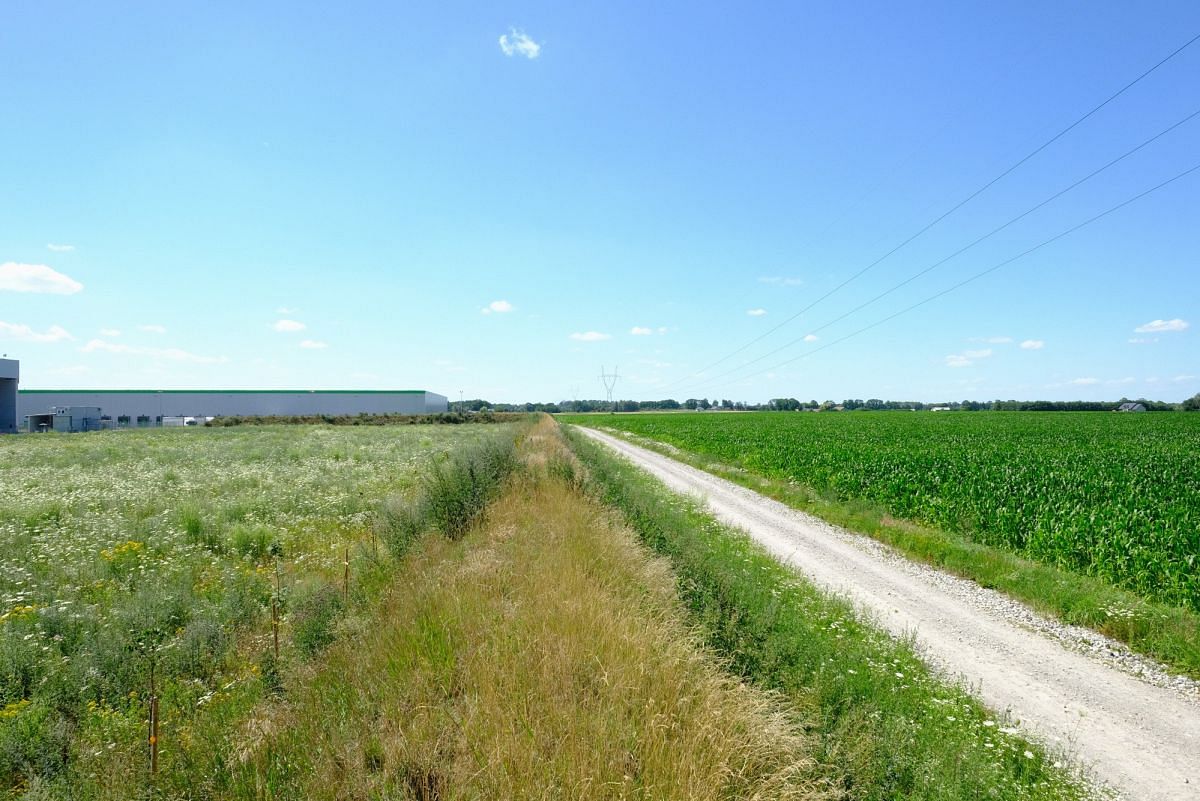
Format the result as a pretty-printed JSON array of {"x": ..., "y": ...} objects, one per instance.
[{"x": 148, "y": 407}]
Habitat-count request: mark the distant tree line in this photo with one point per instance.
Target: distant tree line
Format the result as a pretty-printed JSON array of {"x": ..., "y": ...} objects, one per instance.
[{"x": 795, "y": 405}]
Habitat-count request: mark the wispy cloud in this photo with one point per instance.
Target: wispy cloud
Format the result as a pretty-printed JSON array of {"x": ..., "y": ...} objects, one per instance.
[
  {"x": 1155, "y": 326},
  {"x": 993, "y": 340},
  {"x": 60, "y": 248},
  {"x": 967, "y": 357},
  {"x": 1142, "y": 340},
  {"x": 286, "y": 311},
  {"x": 110, "y": 332},
  {"x": 1033, "y": 344},
  {"x": 517, "y": 43},
  {"x": 314, "y": 344},
  {"x": 1184, "y": 378},
  {"x": 23, "y": 333},
  {"x": 153, "y": 328},
  {"x": 811, "y": 337},
  {"x": 1084, "y": 382},
  {"x": 1126, "y": 380},
  {"x": 756, "y": 312},
  {"x": 17, "y": 277},
  {"x": 641, "y": 331},
  {"x": 449, "y": 366},
  {"x": 779, "y": 280},
  {"x": 289, "y": 326},
  {"x": 590, "y": 336},
  {"x": 498, "y": 307},
  {"x": 168, "y": 354}
]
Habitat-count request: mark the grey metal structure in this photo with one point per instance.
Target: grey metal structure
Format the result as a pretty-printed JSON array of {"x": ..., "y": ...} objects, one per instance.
[
  {"x": 10, "y": 375},
  {"x": 147, "y": 407},
  {"x": 65, "y": 420}
]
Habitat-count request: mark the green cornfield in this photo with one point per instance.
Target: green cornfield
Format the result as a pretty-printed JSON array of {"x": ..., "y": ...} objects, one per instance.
[{"x": 1115, "y": 496}]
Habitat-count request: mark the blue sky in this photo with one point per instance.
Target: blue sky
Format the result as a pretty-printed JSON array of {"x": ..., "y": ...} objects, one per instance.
[{"x": 500, "y": 198}]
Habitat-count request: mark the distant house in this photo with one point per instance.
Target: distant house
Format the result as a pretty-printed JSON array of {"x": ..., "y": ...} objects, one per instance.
[
  {"x": 940, "y": 409},
  {"x": 1131, "y": 407}
]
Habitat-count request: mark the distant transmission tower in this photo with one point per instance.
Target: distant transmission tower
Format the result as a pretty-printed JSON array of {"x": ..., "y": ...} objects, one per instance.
[{"x": 610, "y": 382}]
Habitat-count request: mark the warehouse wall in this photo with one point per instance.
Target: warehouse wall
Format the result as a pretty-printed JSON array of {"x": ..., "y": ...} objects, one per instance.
[
  {"x": 9, "y": 374},
  {"x": 168, "y": 403}
]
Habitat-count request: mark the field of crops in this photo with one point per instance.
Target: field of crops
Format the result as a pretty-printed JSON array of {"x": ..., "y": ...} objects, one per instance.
[
  {"x": 127, "y": 552},
  {"x": 1109, "y": 495}
]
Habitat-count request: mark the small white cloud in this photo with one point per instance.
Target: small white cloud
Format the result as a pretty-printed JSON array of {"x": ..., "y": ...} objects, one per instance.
[
  {"x": 284, "y": 310},
  {"x": 1143, "y": 340},
  {"x": 289, "y": 326},
  {"x": 70, "y": 370},
  {"x": 516, "y": 43},
  {"x": 498, "y": 306},
  {"x": 153, "y": 328},
  {"x": 1084, "y": 382},
  {"x": 23, "y": 333},
  {"x": 756, "y": 312},
  {"x": 110, "y": 332},
  {"x": 1155, "y": 326},
  {"x": 1183, "y": 378},
  {"x": 967, "y": 358},
  {"x": 60, "y": 248},
  {"x": 314, "y": 344},
  {"x": 811, "y": 337},
  {"x": 640, "y": 331},
  {"x": 590, "y": 336},
  {"x": 1033, "y": 344},
  {"x": 16, "y": 277},
  {"x": 1126, "y": 380},
  {"x": 779, "y": 280},
  {"x": 169, "y": 354},
  {"x": 662, "y": 329}
]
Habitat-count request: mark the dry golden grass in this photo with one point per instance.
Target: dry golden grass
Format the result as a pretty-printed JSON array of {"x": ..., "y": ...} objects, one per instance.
[{"x": 544, "y": 656}]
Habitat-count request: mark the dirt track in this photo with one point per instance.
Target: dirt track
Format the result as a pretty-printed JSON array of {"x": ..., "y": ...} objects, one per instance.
[{"x": 1140, "y": 739}]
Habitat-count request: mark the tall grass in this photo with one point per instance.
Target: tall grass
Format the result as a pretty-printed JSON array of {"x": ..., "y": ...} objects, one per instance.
[
  {"x": 888, "y": 728},
  {"x": 542, "y": 654},
  {"x": 451, "y": 496}
]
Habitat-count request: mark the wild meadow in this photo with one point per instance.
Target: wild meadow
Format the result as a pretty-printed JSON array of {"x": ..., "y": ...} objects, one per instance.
[{"x": 167, "y": 563}]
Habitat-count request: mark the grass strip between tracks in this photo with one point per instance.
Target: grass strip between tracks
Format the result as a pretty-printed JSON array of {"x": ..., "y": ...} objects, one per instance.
[
  {"x": 540, "y": 653},
  {"x": 1169, "y": 634},
  {"x": 889, "y": 728}
]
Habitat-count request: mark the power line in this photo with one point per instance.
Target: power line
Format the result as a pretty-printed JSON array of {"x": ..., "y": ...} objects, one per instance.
[
  {"x": 966, "y": 247},
  {"x": 954, "y": 208},
  {"x": 982, "y": 273}
]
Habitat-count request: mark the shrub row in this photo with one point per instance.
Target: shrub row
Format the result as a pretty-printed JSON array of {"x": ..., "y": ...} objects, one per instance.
[{"x": 451, "y": 496}]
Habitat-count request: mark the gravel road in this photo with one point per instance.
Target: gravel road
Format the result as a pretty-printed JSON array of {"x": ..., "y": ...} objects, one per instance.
[{"x": 1138, "y": 734}]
